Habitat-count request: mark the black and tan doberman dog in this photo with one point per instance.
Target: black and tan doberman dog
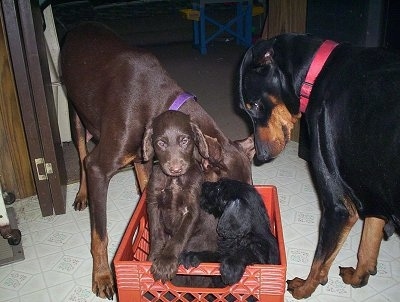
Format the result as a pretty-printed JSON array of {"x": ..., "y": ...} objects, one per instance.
[
  {"x": 115, "y": 91},
  {"x": 350, "y": 99}
]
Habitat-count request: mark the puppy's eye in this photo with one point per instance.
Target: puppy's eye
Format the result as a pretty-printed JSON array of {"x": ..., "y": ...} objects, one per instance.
[
  {"x": 162, "y": 144},
  {"x": 184, "y": 141}
]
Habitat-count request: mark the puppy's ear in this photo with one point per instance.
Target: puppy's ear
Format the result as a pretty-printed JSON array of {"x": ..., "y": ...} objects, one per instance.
[
  {"x": 247, "y": 145},
  {"x": 147, "y": 146},
  {"x": 213, "y": 165},
  {"x": 235, "y": 221},
  {"x": 214, "y": 148},
  {"x": 200, "y": 141}
]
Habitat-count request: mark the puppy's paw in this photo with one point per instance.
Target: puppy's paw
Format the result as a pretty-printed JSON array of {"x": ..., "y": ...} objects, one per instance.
[
  {"x": 189, "y": 259},
  {"x": 231, "y": 271},
  {"x": 164, "y": 268}
]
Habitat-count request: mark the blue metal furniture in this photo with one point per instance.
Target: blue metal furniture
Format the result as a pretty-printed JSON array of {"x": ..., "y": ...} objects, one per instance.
[{"x": 240, "y": 26}]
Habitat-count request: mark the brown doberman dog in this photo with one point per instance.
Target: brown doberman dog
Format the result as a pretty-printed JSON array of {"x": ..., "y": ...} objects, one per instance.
[{"x": 115, "y": 91}]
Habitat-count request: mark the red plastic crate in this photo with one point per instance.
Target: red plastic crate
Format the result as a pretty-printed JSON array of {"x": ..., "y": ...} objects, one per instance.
[{"x": 135, "y": 283}]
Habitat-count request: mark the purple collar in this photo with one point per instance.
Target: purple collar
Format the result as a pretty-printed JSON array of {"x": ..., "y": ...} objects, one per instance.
[{"x": 180, "y": 100}]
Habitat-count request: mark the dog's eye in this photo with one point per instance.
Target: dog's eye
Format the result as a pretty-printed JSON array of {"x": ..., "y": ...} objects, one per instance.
[
  {"x": 184, "y": 141},
  {"x": 161, "y": 144},
  {"x": 253, "y": 106}
]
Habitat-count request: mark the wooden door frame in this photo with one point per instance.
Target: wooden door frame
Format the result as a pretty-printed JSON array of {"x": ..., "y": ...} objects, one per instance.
[{"x": 23, "y": 26}]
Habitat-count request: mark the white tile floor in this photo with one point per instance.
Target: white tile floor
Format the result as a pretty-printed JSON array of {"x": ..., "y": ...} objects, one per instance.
[{"x": 57, "y": 265}]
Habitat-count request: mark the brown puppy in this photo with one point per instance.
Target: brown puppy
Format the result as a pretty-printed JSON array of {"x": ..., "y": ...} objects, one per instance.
[
  {"x": 173, "y": 206},
  {"x": 115, "y": 90}
]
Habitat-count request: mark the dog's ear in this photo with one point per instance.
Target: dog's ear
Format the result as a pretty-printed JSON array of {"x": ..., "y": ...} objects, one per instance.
[
  {"x": 247, "y": 145},
  {"x": 214, "y": 148},
  {"x": 200, "y": 141},
  {"x": 235, "y": 221},
  {"x": 147, "y": 146}
]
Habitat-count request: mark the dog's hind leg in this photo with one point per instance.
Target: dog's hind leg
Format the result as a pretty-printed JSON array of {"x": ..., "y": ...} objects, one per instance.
[
  {"x": 331, "y": 238},
  {"x": 368, "y": 251},
  {"x": 79, "y": 138}
]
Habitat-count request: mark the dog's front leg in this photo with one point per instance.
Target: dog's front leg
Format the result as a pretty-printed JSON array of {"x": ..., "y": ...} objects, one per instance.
[
  {"x": 98, "y": 181},
  {"x": 157, "y": 235},
  {"x": 165, "y": 266},
  {"x": 368, "y": 251},
  {"x": 331, "y": 239},
  {"x": 102, "y": 279}
]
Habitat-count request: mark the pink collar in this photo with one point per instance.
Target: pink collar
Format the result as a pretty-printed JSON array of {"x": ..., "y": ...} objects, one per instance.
[{"x": 317, "y": 63}]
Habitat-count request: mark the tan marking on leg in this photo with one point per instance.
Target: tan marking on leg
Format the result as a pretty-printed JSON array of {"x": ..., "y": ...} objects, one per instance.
[
  {"x": 142, "y": 175},
  {"x": 368, "y": 252},
  {"x": 343, "y": 236},
  {"x": 102, "y": 279},
  {"x": 320, "y": 268},
  {"x": 81, "y": 199},
  {"x": 127, "y": 159}
]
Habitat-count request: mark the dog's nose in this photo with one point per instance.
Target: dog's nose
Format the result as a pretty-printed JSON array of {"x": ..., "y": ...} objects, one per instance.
[{"x": 175, "y": 169}]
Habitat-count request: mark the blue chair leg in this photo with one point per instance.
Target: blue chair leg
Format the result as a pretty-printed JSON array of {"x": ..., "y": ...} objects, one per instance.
[
  {"x": 248, "y": 23},
  {"x": 239, "y": 23},
  {"x": 203, "y": 48},
  {"x": 196, "y": 41},
  {"x": 196, "y": 26}
]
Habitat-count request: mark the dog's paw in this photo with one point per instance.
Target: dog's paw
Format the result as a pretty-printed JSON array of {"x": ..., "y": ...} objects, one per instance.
[
  {"x": 81, "y": 202},
  {"x": 103, "y": 285},
  {"x": 164, "y": 268},
  {"x": 299, "y": 288},
  {"x": 189, "y": 259},
  {"x": 231, "y": 271},
  {"x": 356, "y": 278}
]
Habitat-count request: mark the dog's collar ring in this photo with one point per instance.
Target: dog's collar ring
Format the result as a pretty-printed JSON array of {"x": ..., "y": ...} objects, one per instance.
[
  {"x": 317, "y": 63},
  {"x": 181, "y": 99}
]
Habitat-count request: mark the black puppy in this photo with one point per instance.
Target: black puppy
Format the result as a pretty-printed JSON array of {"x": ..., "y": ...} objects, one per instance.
[{"x": 244, "y": 233}]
